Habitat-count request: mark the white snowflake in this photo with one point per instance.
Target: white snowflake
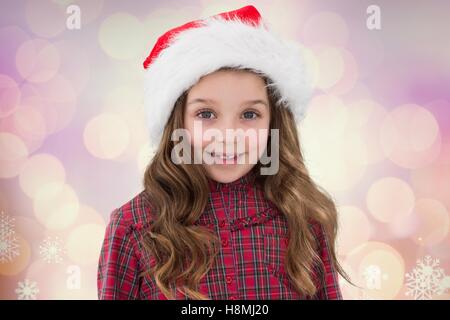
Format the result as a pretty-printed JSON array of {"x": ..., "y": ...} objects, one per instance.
[
  {"x": 27, "y": 290},
  {"x": 425, "y": 280},
  {"x": 9, "y": 245},
  {"x": 50, "y": 250}
]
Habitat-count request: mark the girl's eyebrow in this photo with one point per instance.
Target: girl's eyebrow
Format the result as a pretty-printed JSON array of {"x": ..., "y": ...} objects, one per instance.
[{"x": 248, "y": 102}]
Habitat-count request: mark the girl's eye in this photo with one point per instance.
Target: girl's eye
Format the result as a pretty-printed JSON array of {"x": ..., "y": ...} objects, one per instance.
[
  {"x": 249, "y": 115},
  {"x": 206, "y": 114}
]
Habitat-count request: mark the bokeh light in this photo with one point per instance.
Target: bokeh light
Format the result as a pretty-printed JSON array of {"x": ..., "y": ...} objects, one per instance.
[
  {"x": 326, "y": 28},
  {"x": 122, "y": 36},
  {"x": 410, "y": 136},
  {"x": 433, "y": 223},
  {"x": 55, "y": 205},
  {"x": 354, "y": 229},
  {"x": 45, "y": 18},
  {"x": 84, "y": 243},
  {"x": 390, "y": 197},
  {"x": 378, "y": 268},
  {"x": 376, "y": 135},
  {"x": 145, "y": 155},
  {"x": 106, "y": 136},
  {"x": 365, "y": 118},
  {"x": 29, "y": 124},
  {"x": 35, "y": 173},
  {"x": 10, "y": 96},
  {"x": 37, "y": 60},
  {"x": 13, "y": 154},
  {"x": 330, "y": 65},
  {"x": 327, "y": 124}
]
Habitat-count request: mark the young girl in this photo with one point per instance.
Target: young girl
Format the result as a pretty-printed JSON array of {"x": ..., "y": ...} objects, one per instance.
[{"x": 232, "y": 228}]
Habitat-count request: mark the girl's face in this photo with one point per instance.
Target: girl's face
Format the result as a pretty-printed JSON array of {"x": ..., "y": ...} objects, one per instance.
[{"x": 227, "y": 115}]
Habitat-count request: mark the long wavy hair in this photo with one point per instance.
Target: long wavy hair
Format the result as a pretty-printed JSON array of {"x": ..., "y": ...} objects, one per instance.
[{"x": 178, "y": 193}]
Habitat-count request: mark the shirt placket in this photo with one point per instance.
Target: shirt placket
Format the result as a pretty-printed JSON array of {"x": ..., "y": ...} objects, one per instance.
[{"x": 227, "y": 244}]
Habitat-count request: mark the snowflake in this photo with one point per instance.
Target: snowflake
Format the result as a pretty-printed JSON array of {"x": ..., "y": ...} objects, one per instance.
[
  {"x": 9, "y": 245},
  {"x": 50, "y": 250},
  {"x": 425, "y": 279},
  {"x": 27, "y": 290}
]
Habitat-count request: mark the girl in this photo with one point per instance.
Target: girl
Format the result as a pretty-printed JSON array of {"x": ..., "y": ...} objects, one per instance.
[{"x": 231, "y": 228}]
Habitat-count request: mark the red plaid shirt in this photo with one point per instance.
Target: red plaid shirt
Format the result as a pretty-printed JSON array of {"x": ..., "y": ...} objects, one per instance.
[{"x": 254, "y": 238}]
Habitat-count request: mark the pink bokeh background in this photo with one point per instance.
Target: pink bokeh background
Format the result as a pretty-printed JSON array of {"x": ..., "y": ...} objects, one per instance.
[{"x": 74, "y": 144}]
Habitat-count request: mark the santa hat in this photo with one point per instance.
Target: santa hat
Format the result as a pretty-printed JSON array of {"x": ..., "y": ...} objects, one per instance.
[{"x": 239, "y": 39}]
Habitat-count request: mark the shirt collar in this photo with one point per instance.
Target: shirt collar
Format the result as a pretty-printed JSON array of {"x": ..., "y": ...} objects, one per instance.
[{"x": 247, "y": 180}]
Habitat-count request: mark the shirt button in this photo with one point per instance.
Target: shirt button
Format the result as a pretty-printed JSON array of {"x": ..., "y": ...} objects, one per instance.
[
  {"x": 225, "y": 242},
  {"x": 233, "y": 298},
  {"x": 229, "y": 279},
  {"x": 222, "y": 223}
]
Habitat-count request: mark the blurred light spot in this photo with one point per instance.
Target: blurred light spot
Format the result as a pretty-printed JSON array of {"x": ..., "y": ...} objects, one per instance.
[
  {"x": 55, "y": 100},
  {"x": 11, "y": 38},
  {"x": 88, "y": 215},
  {"x": 365, "y": 117},
  {"x": 312, "y": 65},
  {"x": 13, "y": 154},
  {"x": 30, "y": 229},
  {"x": 145, "y": 155},
  {"x": 433, "y": 181},
  {"x": 124, "y": 98},
  {"x": 9, "y": 96},
  {"x": 106, "y": 136},
  {"x": 349, "y": 76},
  {"x": 84, "y": 243},
  {"x": 55, "y": 205},
  {"x": 29, "y": 124},
  {"x": 48, "y": 276},
  {"x": 354, "y": 229},
  {"x": 37, "y": 60},
  {"x": 331, "y": 66},
  {"x": 433, "y": 222},
  {"x": 368, "y": 50},
  {"x": 45, "y": 18},
  {"x": 402, "y": 226},
  {"x": 39, "y": 170},
  {"x": 345, "y": 147},
  {"x": 286, "y": 19},
  {"x": 380, "y": 270},
  {"x": 162, "y": 18},
  {"x": 386, "y": 267},
  {"x": 390, "y": 197},
  {"x": 326, "y": 28},
  {"x": 410, "y": 136},
  {"x": 122, "y": 36},
  {"x": 76, "y": 71}
]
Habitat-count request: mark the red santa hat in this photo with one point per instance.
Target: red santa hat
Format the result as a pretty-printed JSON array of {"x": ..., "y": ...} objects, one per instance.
[{"x": 239, "y": 39}]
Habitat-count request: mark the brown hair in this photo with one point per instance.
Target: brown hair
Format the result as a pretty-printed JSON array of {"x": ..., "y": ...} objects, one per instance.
[{"x": 184, "y": 252}]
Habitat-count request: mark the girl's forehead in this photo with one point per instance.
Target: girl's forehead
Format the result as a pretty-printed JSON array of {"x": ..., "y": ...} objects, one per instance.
[
  {"x": 217, "y": 90},
  {"x": 233, "y": 79}
]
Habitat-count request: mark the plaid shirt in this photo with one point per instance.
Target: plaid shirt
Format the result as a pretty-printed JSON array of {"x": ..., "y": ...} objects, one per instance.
[{"x": 254, "y": 239}]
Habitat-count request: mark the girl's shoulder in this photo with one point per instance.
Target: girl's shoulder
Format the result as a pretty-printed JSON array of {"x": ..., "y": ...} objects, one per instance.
[{"x": 134, "y": 215}]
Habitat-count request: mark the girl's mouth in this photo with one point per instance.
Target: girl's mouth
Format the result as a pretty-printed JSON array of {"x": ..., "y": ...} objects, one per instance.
[{"x": 226, "y": 158}]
